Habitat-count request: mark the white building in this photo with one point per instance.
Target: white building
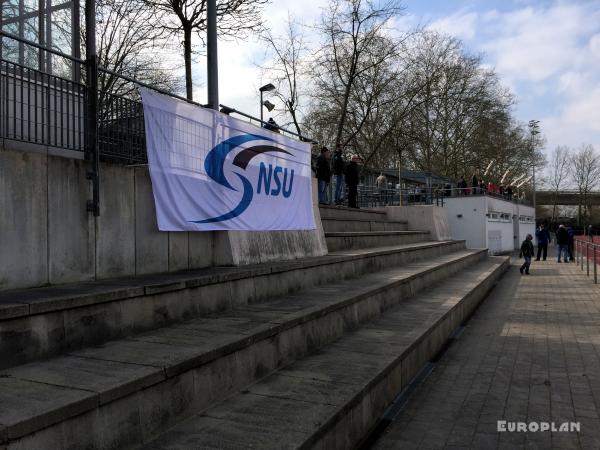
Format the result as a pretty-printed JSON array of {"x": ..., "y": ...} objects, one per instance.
[{"x": 485, "y": 221}]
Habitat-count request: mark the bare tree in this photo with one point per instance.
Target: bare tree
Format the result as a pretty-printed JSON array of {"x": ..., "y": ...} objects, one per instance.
[
  {"x": 557, "y": 175},
  {"x": 126, "y": 48},
  {"x": 353, "y": 29},
  {"x": 585, "y": 172},
  {"x": 235, "y": 19},
  {"x": 287, "y": 68}
]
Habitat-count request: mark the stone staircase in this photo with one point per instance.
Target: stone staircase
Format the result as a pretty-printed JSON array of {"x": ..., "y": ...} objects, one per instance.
[{"x": 298, "y": 354}]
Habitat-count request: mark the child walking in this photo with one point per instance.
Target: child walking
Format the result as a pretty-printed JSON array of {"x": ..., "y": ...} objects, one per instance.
[{"x": 526, "y": 253}]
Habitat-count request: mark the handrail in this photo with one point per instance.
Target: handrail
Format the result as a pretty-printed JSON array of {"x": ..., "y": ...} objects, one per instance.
[{"x": 579, "y": 244}]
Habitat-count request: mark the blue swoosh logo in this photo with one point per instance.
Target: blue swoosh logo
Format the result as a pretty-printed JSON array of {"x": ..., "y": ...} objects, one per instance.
[{"x": 214, "y": 164}]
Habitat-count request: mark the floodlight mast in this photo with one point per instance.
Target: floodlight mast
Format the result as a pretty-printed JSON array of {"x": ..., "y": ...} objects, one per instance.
[{"x": 533, "y": 129}]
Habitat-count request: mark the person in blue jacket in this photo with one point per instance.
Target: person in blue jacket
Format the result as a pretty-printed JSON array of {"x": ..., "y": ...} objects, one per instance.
[{"x": 543, "y": 239}]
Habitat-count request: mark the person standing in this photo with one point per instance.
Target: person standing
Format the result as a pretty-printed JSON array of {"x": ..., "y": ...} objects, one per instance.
[
  {"x": 462, "y": 186},
  {"x": 323, "y": 175},
  {"x": 562, "y": 240},
  {"x": 543, "y": 239},
  {"x": 381, "y": 182},
  {"x": 352, "y": 178},
  {"x": 339, "y": 166},
  {"x": 571, "y": 242},
  {"x": 526, "y": 253},
  {"x": 475, "y": 183}
]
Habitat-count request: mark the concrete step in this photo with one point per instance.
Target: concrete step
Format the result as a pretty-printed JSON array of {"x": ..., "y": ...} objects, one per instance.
[
  {"x": 125, "y": 392},
  {"x": 372, "y": 239},
  {"x": 334, "y": 398},
  {"x": 44, "y": 322},
  {"x": 343, "y": 213},
  {"x": 355, "y": 225}
]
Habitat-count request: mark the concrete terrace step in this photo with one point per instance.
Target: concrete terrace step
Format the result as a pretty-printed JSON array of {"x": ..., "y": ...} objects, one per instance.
[
  {"x": 332, "y": 399},
  {"x": 343, "y": 213},
  {"x": 354, "y": 225},
  {"x": 372, "y": 239},
  {"x": 125, "y": 392},
  {"x": 44, "y": 322}
]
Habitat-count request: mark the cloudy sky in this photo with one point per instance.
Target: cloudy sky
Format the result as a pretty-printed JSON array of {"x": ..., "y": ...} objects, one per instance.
[{"x": 547, "y": 52}]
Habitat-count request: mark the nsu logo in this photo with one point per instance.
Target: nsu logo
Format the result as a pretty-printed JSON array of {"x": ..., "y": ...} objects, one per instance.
[{"x": 272, "y": 181}]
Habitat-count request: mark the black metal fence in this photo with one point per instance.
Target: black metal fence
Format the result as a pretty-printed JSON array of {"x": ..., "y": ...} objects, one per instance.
[
  {"x": 46, "y": 109},
  {"x": 41, "y": 108}
]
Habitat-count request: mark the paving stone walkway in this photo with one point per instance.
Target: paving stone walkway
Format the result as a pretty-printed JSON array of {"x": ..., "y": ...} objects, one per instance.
[{"x": 531, "y": 353}]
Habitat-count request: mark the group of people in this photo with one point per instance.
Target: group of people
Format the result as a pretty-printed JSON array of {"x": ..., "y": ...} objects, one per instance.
[
  {"x": 479, "y": 186},
  {"x": 565, "y": 237},
  {"x": 345, "y": 173}
]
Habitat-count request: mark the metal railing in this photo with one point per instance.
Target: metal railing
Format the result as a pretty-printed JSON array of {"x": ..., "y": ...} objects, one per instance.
[
  {"x": 50, "y": 110},
  {"x": 41, "y": 108},
  {"x": 507, "y": 195},
  {"x": 588, "y": 249},
  {"x": 373, "y": 197}
]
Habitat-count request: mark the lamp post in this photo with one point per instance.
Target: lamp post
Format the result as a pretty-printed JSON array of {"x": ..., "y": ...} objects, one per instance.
[
  {"x": 211, "y": 54},
  {"x": 533, "y": 130},
  {"x": 266, "y": 88}
]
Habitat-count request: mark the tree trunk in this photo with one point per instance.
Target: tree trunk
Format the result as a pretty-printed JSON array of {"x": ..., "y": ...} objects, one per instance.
[{"x": 187, "y": 56}]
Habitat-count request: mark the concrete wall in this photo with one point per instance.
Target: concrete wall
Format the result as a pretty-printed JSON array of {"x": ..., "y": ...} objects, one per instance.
[
  {"x": 423, "y": 218},
  {"x": 48, "y": 237},
  {"x": 487, "y": 222}
]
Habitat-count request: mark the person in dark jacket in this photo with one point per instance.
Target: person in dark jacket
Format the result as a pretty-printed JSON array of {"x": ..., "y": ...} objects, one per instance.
[
  {"x": 339, "y": 166},
  {"x": 352, "y": 178},
  {"x": 509, "y": 193},
  {"x": 526, "y": 253},
  {"x": 543, "y": 239},
  {"x": 462, "y": 186},
  {"x": 475, "y": 183},
  {"x": 571, "y": 242},
  {"x": 562, "y": 240},
  {"x": 323, "y": 175}
]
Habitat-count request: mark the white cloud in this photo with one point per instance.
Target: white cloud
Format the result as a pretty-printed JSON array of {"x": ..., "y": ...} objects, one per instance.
[
  {"x": 461, "y": 24},
  {"x": 594, "y": 47},
  {"x": 548, "y": 53},
  {"x": 534, "y": 44}
]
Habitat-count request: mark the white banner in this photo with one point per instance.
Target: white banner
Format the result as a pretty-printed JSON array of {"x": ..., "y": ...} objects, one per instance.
[{"x": 210, "y": 171}]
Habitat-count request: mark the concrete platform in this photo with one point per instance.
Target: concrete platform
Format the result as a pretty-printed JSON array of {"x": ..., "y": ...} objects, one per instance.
[
  {"x": 331, "y": 399},
  {"x": 124, "y": 392}
]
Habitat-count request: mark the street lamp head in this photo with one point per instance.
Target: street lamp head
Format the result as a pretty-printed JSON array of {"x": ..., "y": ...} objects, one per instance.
[
  {"x": 267, "y": 88},
  {"x": 270, "y": 106},
  {"x": 533, "y": 126}
]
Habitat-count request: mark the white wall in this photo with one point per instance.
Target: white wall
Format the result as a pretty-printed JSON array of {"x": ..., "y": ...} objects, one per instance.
[
  {"x": 466, "y": 216},
  {"x": 526, "y": 217},
  {"x": 487, "y": 222}
]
